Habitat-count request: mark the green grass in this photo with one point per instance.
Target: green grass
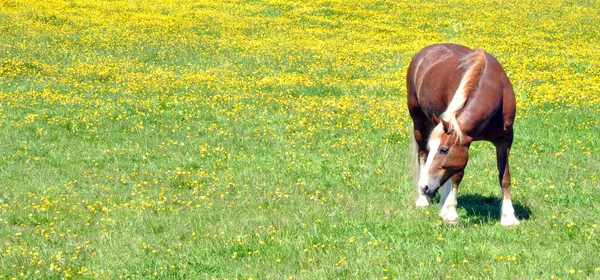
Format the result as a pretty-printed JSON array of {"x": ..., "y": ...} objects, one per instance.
[
  {"x": 258, "y": 206},
  {"x": 140, "y": 140}
]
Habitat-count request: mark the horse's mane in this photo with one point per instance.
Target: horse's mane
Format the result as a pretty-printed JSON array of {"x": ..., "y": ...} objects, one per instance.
[{"x": 474, "y": 62}]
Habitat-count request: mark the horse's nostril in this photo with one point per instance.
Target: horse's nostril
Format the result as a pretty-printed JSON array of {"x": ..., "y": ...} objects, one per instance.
[{"x": 425, "y": 189}]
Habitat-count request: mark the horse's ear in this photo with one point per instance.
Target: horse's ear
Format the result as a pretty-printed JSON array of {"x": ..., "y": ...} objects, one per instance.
[
  {"x": 447, "y": 128},
  {"x": 435, "y": 119},
  {"x": 445, "y": 124}
]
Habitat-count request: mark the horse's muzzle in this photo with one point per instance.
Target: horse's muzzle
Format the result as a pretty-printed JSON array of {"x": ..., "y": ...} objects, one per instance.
[{"x": 427, "y": 191}]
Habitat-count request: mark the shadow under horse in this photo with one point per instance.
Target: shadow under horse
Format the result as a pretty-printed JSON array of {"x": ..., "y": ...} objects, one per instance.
[{"x": 484, "y": 209}]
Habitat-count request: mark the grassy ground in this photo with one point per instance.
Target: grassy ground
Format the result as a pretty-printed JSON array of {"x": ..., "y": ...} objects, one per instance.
[{"x": 266, "y": 139}]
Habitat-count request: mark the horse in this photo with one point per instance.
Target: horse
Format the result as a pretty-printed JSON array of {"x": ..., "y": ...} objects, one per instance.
[{"x": 456, "y": 96}]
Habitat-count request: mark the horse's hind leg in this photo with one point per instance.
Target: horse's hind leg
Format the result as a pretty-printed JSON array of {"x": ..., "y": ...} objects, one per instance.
[
  {"x": 508, "y": 213},
  {"x": 421, "y": 130}
]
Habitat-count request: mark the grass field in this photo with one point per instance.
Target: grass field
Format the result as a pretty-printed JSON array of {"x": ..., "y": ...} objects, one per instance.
[{"x": 269, "y": 139}]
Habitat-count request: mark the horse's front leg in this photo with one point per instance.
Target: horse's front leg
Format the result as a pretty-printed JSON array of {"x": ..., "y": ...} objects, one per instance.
[
  {"x": 448, "y": 212},
  {"x": 508, "y": 213}
]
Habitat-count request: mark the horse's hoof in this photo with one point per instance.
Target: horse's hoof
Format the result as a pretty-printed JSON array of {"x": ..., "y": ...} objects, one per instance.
[
  {"x": 451, "y": 222},
  {"x": 422, "y": 201},
  {"x": 509, "y": 221}
]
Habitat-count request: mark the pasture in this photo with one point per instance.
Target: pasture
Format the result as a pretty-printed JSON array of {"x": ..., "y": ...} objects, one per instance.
[{"x": 269, "y": 139}]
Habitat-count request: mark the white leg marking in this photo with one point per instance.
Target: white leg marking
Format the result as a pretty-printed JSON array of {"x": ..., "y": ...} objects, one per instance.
[
  {"x": 508, "y": 214},
  {"x": 448, "y": 212},
  {"x": 445, "y": 191}
]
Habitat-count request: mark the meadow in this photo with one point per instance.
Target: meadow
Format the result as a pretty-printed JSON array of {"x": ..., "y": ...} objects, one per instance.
[{"x": 269, "y": 139}]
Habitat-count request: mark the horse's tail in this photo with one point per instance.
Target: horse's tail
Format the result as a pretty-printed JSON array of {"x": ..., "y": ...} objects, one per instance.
[{"x": 414, "y": 161}]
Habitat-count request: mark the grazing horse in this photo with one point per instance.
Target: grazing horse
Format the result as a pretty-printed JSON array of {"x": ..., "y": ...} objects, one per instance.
[{"x": 456, "y": 96}]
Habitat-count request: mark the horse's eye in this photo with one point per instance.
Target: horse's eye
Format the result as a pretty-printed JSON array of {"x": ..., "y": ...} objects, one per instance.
[{"x": 443, "y": 150}]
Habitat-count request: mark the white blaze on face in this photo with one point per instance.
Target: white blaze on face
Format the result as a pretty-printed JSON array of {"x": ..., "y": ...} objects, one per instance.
[{"x": 424, "y": 178}]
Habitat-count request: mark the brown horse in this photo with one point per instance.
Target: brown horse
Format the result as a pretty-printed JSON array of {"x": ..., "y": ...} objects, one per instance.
[{"x": 474, "y": 99}]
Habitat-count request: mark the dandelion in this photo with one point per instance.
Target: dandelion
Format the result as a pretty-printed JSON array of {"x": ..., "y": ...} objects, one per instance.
[
  {"x": 133, "y": 116},
  {"x": 352, "y": 239}
]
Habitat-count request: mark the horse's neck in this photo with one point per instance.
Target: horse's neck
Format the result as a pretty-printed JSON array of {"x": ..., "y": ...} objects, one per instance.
[{"x": 477, "y": 113}]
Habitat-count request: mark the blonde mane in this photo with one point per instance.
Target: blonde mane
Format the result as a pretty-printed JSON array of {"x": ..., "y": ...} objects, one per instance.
[{"x": 474, "y": 62}]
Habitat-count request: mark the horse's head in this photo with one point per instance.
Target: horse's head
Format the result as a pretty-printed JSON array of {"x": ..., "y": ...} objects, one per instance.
[{"x": 448, "y": 156}]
